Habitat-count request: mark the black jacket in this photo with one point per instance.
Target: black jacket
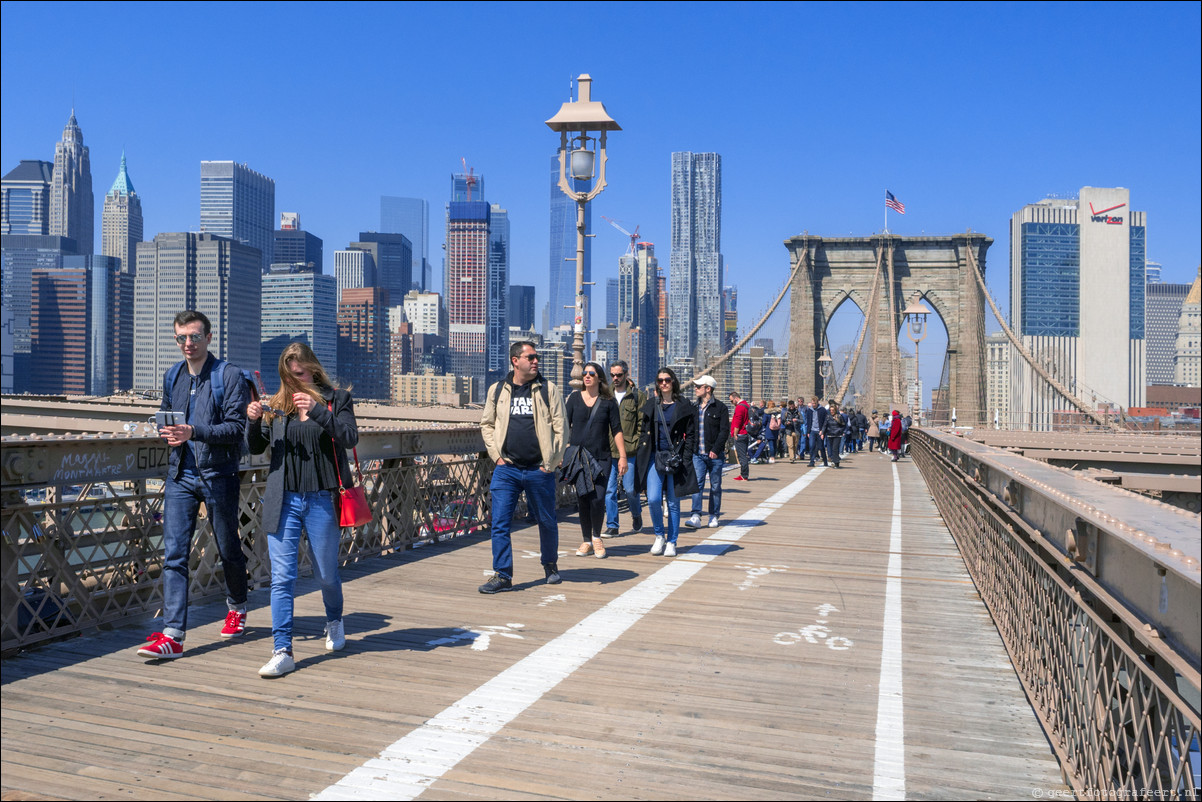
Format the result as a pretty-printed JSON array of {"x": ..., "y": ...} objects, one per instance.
[
  {"x": 339, "y": 424},
  {"x": 715, "y": 426},
  {"x": 682, "y": 431},
  {"x": 834, "y": 425},
  {"x": 216, "y": 440}
]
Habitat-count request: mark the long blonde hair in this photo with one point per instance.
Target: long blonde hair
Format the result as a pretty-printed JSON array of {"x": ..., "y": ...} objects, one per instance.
[{"x": 302, "y": 355}]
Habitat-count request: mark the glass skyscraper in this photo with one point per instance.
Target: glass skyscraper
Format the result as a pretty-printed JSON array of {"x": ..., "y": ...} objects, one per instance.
[
  {"x": 71, "y": 200},
  {"x": 238, "y": 203},
  {"x": 299, "y": 303},
  {"x": 695, "y": 272},
  {"x": 411, "y": 217},
  {"x": 497, "y": 359}
]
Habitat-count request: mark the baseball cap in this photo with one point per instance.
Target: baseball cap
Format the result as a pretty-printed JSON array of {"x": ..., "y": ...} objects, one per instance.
[{"x": 708, "y": 381}]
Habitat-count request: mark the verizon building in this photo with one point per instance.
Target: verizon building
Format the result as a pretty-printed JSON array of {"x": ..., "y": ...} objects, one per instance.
[{"x": 1077, "y": 300}]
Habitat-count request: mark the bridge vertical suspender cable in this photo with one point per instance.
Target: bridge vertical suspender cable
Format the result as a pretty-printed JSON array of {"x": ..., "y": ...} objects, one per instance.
[
  {"x": 896, "y": 357},
  {"x": 868, "y": 316},
  {"x": 1028, "y": 357}
]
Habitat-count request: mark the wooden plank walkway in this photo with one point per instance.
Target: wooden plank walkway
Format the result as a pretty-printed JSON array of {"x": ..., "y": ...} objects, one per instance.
[{"x": 714, "y": 691}]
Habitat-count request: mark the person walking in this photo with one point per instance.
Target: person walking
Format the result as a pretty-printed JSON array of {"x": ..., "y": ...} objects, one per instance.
[
  {"x": 738, "y": 430},
  {"x": 666, "y": 471},
  {"x": 770, "y": 430},
  {"x": 895, "y": 435},
  {"x": 713, "y": 429},
  {"x": 791, "y": 420},
  {"x": 592, "y": 417},
  {"x": 874, "y": 431},
  {"x": 814, "y": 422},
  {"x": 832, "y": 434},
  {"x": 202, "y": 466},
  {"x": 630, "y": 401},
  {"x": 523, "y": 429},
  {"x": 861, "y": 429},
  {"x": 308, "y": 425}
]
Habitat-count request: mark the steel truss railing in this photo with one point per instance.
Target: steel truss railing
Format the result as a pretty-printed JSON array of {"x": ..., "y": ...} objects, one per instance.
[
  {"x": 82, "y": 522},
  {"x": 1104, "y": 686}
]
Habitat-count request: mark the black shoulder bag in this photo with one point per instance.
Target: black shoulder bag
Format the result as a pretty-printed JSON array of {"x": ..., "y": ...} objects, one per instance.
[{"x": 668, "y": 460}]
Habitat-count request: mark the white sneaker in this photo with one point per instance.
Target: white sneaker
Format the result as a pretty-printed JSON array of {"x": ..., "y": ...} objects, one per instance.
[
  {"x": 670, "y": 550},
  {"x": 281, "y": 663},
  {"x": 658, "y": 546},
  {"x": 335, "y": 636},
  {"x": 694, "y": 522},
  {"x": 772, "y": 460},
  {"x": 713, "y": 522}
]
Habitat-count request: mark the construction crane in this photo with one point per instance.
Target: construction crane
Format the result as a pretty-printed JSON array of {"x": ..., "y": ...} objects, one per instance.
[
  {"x": 634, "y": 238},
  {"x": 469, "y": 178}
]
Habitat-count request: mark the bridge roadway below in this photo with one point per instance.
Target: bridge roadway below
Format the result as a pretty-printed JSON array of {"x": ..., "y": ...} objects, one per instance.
[{"x": 781, "y": 656}]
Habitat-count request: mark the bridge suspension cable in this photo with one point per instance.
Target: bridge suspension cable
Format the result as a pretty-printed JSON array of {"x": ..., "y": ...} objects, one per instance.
[{"x": 872, "y": 300}]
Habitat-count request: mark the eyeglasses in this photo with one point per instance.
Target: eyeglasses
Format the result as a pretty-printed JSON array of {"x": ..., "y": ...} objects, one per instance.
[
  {"x": 663, "y": 381},
  {"x": 183, "y": 338}
]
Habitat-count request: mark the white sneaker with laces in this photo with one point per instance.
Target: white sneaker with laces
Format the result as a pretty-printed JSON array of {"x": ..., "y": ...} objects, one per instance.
[
  {"x": 281, "y": 663},
  {"x": 658, "y": 546},
  {"x": 713, "y": 522},
  {"x": 335, "y": 636},
  {"x": 694, "y": 522},
  {"x": 670, "y": 550}
]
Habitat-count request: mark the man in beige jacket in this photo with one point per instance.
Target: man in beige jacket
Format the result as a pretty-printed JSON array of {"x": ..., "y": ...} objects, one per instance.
[{"x": 523, "y": 428}]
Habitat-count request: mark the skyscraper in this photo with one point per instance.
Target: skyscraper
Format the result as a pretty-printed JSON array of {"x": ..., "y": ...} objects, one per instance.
[
  {"x": 411, "y": 217},
  {"x": 695, "y": 278},
  {"x": 22, "y": 254},
  {"x": 393, "y": 255},
  {"x": 121, "y": 220},
  {"x": 562, "y": 287},
  {"x": 1187, "y": 362},
  {"x": 730, "y": 318},
  {"x": 1163, "y": 314},
  {"x": 611, "y": 302},
  {"x": 211, "y": 274},
  {"x": 238, "y": 203},
  {"x": 467, "y": 268},
  {"x": 364, "y": 345},
  {"x": 292, "y": 245},
  {"x": 299, "y": 303},
  {"x": 640, "y": 272},
  {"x": 71, "y": 201},
  {"x": 26, "y": 195},
  {"x": 497, "y": 346},
  {"x": 353, "y": 268},
  {"x": 1077, "y": 300},
  {"x": 1152, "y": 272},
  {"x": 521, "y": 307}
]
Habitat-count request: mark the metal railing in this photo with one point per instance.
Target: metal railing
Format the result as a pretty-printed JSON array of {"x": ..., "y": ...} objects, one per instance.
[
  {"x": 1104, "y": 678},
  {"x": 82, "y": 521}
]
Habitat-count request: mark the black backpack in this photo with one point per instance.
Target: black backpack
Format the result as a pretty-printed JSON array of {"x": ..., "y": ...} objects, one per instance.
[{"x": 755, "y": 422}]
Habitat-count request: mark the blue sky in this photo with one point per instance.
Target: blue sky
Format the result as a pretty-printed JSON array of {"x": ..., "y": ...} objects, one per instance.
[{"x": 965, "y": 111}]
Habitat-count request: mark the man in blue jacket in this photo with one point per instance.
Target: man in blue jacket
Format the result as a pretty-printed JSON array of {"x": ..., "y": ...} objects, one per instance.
[
  {"x": 202, "y": 467},
  {"x": 813, "y": 423}
]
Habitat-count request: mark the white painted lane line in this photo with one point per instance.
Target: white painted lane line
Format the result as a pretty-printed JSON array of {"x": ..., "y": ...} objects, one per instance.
[
  {"x": 411, "y": 765},
  {"x": 889, "y": 765}
]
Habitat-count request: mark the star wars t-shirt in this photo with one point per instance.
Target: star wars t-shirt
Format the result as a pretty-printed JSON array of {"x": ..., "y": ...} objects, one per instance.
[{"x": 521, "y": 442}]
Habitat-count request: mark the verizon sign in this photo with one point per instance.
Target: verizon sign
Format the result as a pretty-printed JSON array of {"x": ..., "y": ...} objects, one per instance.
[{"x": 1103, "y": 216}]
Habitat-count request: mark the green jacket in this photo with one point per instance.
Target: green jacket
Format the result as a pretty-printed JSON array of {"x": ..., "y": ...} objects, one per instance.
[{"x": 630, "y": 412}]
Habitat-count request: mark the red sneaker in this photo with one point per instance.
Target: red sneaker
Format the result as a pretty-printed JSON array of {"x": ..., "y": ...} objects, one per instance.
[
  {"x": 235, "y": 624},
  {"x": 162, "y": 647},
  {"x": 740, "y": 479}
]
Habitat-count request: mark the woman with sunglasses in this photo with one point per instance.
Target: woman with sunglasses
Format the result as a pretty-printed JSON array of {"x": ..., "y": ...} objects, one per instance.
[
  {"x": 671, "y": 426},
  {"x": 592, "y": 416},
  {"x": 308, "y": 424}
]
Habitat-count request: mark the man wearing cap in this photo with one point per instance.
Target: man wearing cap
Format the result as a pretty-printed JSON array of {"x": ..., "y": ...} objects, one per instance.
[{"x": 713, "y": 428}]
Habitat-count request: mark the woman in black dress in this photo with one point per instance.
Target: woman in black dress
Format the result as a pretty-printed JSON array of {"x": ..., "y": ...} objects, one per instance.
[{"x": 592, "y": 415}]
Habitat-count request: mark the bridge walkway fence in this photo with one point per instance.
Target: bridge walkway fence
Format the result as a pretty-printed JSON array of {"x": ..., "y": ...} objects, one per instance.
[
  {"x": 82, "y": 521},
  {"x": 1100, "y": 616}
]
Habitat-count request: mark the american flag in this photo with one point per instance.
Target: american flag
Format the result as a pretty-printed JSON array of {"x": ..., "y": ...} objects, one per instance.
[{"x": 893, "y": 203}]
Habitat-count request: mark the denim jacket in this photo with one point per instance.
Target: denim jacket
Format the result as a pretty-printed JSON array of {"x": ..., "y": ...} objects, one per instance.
[{"x": 217, "y": 435}]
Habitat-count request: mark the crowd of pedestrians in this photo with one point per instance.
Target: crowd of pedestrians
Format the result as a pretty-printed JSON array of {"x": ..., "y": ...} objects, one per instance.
[{"x": 608, "y": 439}]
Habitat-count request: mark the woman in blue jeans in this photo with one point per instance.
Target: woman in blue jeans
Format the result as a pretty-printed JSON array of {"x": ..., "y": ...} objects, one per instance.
[
  {"x": 308, "y": 425},
  {"x": 671, "y": 425}
]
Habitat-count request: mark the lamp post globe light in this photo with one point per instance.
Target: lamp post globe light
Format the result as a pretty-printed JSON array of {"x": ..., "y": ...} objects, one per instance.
[
  {"x": 826, "y": 367},
  {"x": 915, "y": 315},
  {"x": 574, "y": 122}
]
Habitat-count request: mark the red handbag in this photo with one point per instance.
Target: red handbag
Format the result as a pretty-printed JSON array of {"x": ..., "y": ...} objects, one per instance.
[{"x": 353, "y": 509}]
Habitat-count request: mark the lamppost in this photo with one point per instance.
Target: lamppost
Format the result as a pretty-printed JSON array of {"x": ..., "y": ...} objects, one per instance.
[
  {"x": 916, "y": 316},
  {"x": 574, "y": 121},
  {"x": 826, "y": 366}
]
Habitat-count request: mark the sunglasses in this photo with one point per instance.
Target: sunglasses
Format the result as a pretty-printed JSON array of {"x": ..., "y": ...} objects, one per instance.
[
  {"x": 663, "y": 381},
  {"x": 183, "y": 338},
  {"x": 529, "y": 357},
  {"x": 592, "y": 373},
  {"x": 616, "y": 375}
]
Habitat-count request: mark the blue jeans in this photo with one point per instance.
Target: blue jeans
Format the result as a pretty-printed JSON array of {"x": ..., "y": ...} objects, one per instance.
[
  {"x": 611, "y": 495},
  {"x": 704, "y": 464},
  {"x": 316, "y": 513},
  {"x": 507, "y": 484},
  {"x": 658, "y": 486},
  {"x": 815, "y": 447},
  {"x": 181, "y": 501}
]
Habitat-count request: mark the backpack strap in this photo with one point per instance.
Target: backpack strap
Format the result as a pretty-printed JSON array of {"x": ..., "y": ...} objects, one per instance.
[
  {"x": 217, "y": 385},
  {"x": 169, "y": 379}
]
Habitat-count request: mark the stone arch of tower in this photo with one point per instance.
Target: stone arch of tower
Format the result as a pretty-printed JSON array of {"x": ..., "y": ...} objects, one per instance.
[{"x": 828, "y": 271}]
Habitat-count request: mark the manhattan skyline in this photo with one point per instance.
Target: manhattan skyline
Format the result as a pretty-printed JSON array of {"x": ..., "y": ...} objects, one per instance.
[{"x": 965, "y": 113}]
